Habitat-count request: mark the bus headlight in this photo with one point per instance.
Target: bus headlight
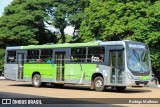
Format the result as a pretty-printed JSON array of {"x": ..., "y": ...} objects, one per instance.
[{"x": 129, "y": 76}]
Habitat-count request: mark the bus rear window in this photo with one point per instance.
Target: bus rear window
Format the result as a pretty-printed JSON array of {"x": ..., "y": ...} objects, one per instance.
[{"x": 11, "y": 56}]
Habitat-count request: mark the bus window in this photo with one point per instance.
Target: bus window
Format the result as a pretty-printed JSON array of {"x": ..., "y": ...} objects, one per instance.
[
  {"x": 78, "y": 55},
  {"x": 96, "y": 54},
  {"x": 46, "y": 55},
  {"x": 120, "y": 59},
  {"x": 11, "y": 56},
  {"x": 32, "y": 56},
  {"x": 112, "y": 59}
]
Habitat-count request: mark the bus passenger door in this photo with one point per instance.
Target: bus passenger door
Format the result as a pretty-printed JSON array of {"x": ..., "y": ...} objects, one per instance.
[
  {"x": 20, "y": 66},
  {"x": 60, "y": 62},
  {"x": 116, "y": 64}
]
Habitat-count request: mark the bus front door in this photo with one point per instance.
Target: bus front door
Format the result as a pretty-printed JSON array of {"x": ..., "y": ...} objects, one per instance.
[
  {"x": 60, "y": 62},
  {"x": 116, "y": 64},
  {"x": 20, "y": 66}
]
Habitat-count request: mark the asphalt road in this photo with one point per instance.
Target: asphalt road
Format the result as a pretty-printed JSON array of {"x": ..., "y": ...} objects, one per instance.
[{"x": 75, "y": 95}]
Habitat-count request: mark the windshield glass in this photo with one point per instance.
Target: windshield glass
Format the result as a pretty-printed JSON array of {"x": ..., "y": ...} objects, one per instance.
[{"x": 138, "y": 60}]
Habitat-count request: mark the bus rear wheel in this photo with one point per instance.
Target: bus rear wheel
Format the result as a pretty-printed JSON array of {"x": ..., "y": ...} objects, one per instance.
[
  {"x": 99, "y": 84},
  {"x": 120, "y": 88},
  {"x": 36, "y": 81}
]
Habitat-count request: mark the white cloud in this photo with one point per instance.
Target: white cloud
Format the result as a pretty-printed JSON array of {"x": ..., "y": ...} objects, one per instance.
[{"x": 3, "y": 4}]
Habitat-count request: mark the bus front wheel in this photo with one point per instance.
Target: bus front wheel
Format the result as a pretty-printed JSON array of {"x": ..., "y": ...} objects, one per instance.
[
  {"x": 99, "y": 84},
  {"x": 36, "y": 81}
]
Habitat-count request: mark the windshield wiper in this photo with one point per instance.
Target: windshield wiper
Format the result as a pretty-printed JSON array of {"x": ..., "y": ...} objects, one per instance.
[{"x": 136, "y": 54}]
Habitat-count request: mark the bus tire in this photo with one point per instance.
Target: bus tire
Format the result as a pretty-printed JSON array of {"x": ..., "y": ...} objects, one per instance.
[
  {"x": 36, "y": 81},
  {"x": 99, "y": 84},
  {"x": 120, "y": 88}
]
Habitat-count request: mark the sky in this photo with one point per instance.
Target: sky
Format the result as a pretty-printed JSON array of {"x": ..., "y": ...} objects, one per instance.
[{"x": 4, "y": 3}]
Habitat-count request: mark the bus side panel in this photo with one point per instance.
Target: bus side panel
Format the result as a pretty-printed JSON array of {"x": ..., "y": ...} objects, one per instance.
[
  {"x": 11, "y": 71},
  {"x": 79, "y": 73},
  {"x": 89, "y": 70},
  {"x": 47, "y": 71},
  {"x": 72, "y": 72}
]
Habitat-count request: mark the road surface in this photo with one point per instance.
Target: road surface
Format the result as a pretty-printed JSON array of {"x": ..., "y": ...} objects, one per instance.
[{"x": 75, "y": 94}]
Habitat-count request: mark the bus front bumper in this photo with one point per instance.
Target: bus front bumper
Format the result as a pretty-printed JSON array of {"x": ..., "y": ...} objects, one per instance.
[{"x": 137, "y": 82}]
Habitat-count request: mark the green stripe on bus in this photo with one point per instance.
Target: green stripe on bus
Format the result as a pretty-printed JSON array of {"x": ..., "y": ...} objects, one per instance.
[
  {"x": 72, "y": 71},
  {"x": 48, "y": 70},
  {"x": 60, "y": 45}
]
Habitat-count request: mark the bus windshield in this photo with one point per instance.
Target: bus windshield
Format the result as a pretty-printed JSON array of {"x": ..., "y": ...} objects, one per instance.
[{"x": 138, "y": 60}]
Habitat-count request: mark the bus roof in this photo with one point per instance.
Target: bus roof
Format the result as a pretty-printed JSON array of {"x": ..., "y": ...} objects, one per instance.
[{"x": 65, "y": 45}]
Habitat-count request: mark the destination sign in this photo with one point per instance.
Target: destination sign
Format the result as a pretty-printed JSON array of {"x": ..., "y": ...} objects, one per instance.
[{"x": 137, "y": 46}]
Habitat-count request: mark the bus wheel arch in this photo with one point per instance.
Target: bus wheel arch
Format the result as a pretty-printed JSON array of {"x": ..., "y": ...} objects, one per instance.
[
  {"x": 36, "y": 80},
  {"x": 34, "y": 73},
  {"x": 97, "y": 82}
]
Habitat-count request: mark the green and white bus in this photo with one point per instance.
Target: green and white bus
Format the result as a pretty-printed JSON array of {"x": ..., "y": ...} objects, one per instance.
[{"x": 99, "y": 64}]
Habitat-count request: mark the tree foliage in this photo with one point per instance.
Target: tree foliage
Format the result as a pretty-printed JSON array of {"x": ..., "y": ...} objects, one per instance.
[
  {"x": 68, "y": 12},
  {"x": 2, "y": 54},
  {"x": 24, "y": 22},
  {"x": 136, "y": 20}
]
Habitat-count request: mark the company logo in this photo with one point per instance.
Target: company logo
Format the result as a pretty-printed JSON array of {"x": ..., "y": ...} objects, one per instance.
[
  {"x": 6, "y": 101},
  {"x": 21, "y": 101}
]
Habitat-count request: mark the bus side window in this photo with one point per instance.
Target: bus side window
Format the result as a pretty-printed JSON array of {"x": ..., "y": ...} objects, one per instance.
[
  {"x": 112, "y": 57},
  {"x": 49, "y": 60},
  {"x": 11, "y": 56},
  {"x": 78, "y": 55},
  {"x": 39, "y": 60},
  {"x": 32, "y": 56},
  {"x": 46, "y": 55},
  {"x": 31, "y": 61},
  {"x": 96, "y": 54}
]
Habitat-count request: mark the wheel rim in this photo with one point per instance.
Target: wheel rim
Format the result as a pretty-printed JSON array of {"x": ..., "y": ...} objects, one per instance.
[
  {"x": 36, "y": 81},
  {"x": 98, "y": 84}
]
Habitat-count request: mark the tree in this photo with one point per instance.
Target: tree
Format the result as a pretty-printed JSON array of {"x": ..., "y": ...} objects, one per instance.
[
  {"x": 68, "y": 12},
  {"x": 1, "y": 60},
  {"x": 23, "y": 24},
  {"x": 136, "y": 20},
  {"x": 24, "y": 21},
  {"x": 76, "y": 13}
]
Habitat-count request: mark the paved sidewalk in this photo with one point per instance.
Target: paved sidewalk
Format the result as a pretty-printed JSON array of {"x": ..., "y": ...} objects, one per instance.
[
  {"x": 153, "y": 85},
  {"x": 2, "y": 78}
]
